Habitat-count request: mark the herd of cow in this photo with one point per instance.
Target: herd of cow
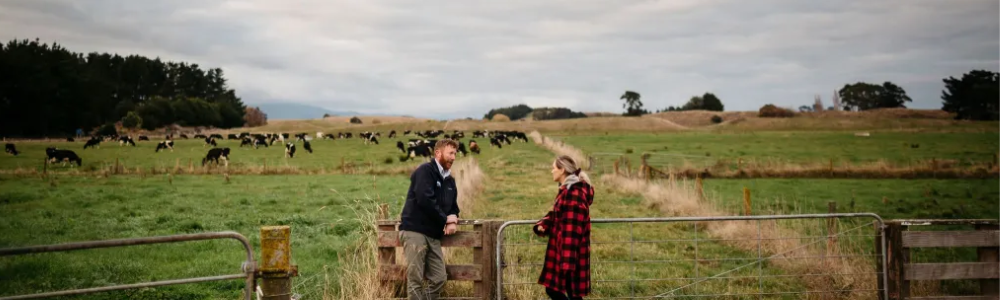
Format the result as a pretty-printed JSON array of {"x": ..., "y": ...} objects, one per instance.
[{"x": 422, "y": 146}]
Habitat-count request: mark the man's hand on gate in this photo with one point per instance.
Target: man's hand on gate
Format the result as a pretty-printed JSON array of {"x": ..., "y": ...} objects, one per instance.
[{"x": 450, "y": 229}]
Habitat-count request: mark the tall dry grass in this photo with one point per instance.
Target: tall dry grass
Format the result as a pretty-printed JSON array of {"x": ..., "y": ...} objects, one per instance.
[
  {"x": 359, "y": 276},
  {"x": 761, "y": 168},
  {"x": 560, "y": 148}
]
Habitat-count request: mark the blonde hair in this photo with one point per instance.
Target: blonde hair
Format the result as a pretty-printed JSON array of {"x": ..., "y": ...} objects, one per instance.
[{"x": 569, "y": 166}]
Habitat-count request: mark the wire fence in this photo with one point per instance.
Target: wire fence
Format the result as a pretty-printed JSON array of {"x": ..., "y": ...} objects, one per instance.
[{"x": 822, "y": 256}]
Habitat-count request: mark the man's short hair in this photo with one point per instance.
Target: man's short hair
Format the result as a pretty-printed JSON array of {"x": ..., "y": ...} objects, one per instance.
[{"x": 445, "y": 143}]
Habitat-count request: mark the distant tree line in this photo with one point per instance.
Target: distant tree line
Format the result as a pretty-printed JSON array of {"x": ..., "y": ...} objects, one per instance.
[
  {"x": 47, "y": 90},
  {"x": 522, "y": 111}
]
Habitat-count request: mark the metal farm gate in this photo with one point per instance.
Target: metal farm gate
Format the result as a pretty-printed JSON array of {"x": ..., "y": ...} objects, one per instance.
[{"x": 813, "y": 256}]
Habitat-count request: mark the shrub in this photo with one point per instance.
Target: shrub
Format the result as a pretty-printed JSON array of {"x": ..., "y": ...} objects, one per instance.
[
  {"x": 716, "y": 119},
  {"x": 771, "y": 111},
  {"x": 387, "y": 160},
  {"x": 107, "y": 129},
  {"x": 501, "y": 118},
  {"x": 629, "y": 150},
  {"x": 355, "y": 120}
]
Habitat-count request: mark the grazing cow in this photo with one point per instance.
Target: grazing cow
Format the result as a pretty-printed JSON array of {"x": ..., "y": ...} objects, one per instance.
[
  {"x": 406, "y": 133},
  {"x": 260, "y": 141},
  {"x": 125, "y": 140},
  {"x": 350, "y": 135},
  {"x": 289, "y": 150},
  {"x": 422, "y": 151},
  {"x": 284, "y": 135},
  {"x": 55, "y": 155},
  {"x": 478, "y": 134},
  {"x": 216, "y": 136},
  {"x": 143, "y": 138},
  {"x": 215, "y": 154},
  {"x": 329, "y": 136},
  {"x": 165, "y": 145},
  {"x": 210, "y": 141},
  {"x": 474, "y": 147},
  {"x": 399, "y": 145},
  {"x": 232, "y": 137},
  {"x": 70, "y": 139},
  {"x": 300, "y": 137},
  {"x": 9, "y": 148},
  {"x": 183, "y": 136},
  {"x": 93, "y": 142},
  {"x": 369, "y": 138},
  {"x": 319, "y": 134},
  {"x": 392, "y": 134},
  {"x": 200, "y": 136},
  {"x": 461, "y": 149},
  {"x": 495, "y": 142},
  {"x": 246, "y": 142},
  {"x": 307, "y": 146}
]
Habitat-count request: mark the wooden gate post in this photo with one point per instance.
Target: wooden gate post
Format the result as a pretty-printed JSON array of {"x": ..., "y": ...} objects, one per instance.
[
  {"x": 896, "y": 258},
  {"x": 387, "y": 255},
  {"x": 276, "y": 270},
  {"x": 988, "y": 287},
  {"x": 485, "y": 288}
]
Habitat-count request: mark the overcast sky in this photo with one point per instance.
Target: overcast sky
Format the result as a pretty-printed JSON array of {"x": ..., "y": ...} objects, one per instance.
[{"x": 447, "y": 59}]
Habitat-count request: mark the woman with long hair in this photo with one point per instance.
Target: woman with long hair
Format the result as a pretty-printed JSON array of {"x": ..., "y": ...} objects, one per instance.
[{"x": 566, "y": 274}]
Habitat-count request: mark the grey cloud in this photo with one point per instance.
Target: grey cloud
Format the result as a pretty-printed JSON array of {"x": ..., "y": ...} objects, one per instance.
[{"x": 456, "y": 59}]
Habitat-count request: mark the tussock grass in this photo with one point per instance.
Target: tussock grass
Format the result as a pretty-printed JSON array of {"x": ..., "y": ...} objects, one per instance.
[{"x": 359, "y": 276}]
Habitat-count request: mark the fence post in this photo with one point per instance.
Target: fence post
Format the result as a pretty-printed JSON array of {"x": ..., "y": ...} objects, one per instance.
[
  {"x": 879, "y": 236},
  {"x": 701, "y": 188},
  {"x": 387, "y": 256},
  {"x": 896, "y": 257},
  {"x": 988, "y": 287},
  {"x": 275, "y": 267},
  {"x": 483, "y": 256},
  {"x": 831, "y": 229},
  {"x": 746, "y": 201}
]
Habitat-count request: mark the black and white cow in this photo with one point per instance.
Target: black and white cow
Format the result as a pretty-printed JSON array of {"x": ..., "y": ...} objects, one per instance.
[
  {"x": 473, "y": 147},
  {"x": 55, "y": 155},
  {"x": 232, "y": 137},
  {"x": 246, "y": 142},
  {"x": 93, "y": 142},
  {"x": 479, "y": 134},
  {"x": 183, "y": 136},
  {"x": 369, "y": 138},
  {"x": 125, "y": 140},
  {"x": 406, "y": 133},
  {"x": 260, "y": 141},
  {"x": 200, "y": 136},
  {"x": 290, "y": 150},
  {"x": 421, "y": 150},
  {"x": 392, "y": 134},
  {"x": 307, "y": 146},
  {"x": 300, "y": 137},
  {"x": 215, "y": 136},
  {"x": 494, "y": 141},
  {"x": 165, "y": 145},
  {"x": 461, "y": 149},
  {"x": 9, "y": 148},
  {"x": 210, "y": 142},
  {"x": 143, "y": 138},
  {"x": 400, "y": 146},
  {"x": 215, "y": 154}
]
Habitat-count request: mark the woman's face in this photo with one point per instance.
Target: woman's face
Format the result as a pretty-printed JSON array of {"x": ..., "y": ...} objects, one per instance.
[{"x": 557, "y": 173}]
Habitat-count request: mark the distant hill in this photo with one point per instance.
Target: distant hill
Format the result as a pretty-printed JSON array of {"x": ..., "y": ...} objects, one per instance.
[{"x": 297, "y": 111}]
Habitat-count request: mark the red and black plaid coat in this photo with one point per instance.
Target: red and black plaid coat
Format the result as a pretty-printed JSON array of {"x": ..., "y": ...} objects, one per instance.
[{"x": 567, "y": 257}]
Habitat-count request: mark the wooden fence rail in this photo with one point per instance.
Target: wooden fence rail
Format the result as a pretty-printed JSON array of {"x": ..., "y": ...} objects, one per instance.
[
  {"x": 481, "y": 272},
  {"x": 899, "y": 240}
]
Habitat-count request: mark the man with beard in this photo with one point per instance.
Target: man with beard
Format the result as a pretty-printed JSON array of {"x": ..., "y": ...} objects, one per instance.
[{"x": 431, "y": 211}]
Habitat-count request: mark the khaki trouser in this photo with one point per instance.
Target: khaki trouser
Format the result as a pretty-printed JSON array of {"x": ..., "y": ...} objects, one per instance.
[{"x": 423, "y": 260}]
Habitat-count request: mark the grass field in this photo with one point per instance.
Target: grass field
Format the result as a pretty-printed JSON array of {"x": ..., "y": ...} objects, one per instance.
[
  {"x": 701, "y": 149},
  {"x": 77, "y": 208},
  {"x": 517, "y": 185},
  {"x": 326, "y": 157}
]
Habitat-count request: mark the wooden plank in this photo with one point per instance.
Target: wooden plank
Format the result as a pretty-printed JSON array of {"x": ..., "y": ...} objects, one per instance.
[
  {"x": 455, "y": 272},
  {"x": 879, "y": 235},
  {"x": 897, "y": 287},
  {"x": 989, "y": 287},
  {"x": 978, "y": 238},
  {"x": 390, "y": 239},
  {"x": 955, "y": 298},
  {"x": 485, "y": 256},
  {"x": 460, "y": 222},
  {"x": 945, "y": 271}
]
